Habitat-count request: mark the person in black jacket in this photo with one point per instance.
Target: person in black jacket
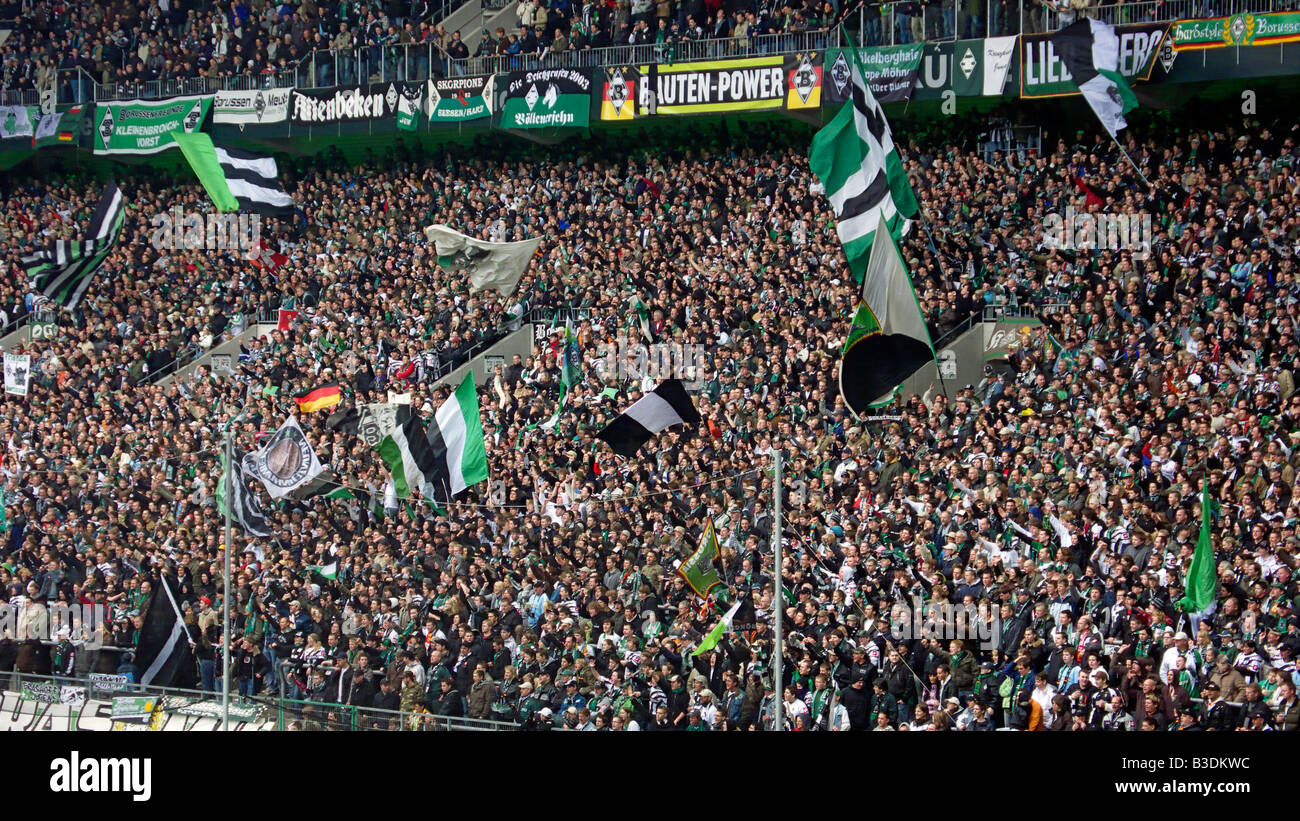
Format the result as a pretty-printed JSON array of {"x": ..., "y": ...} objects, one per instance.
[
  {"x": 857, "y": 702},
  {"x": 449, "y": 701}
]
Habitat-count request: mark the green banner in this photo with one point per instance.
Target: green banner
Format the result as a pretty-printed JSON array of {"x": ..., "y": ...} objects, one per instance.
[
  {"x": 551, "y": 98},
  {"x": 140, "y": 127},
  {"x": 890, "y": 72},
  {"x": 1043, "y": 74},
  {"x": 1237, "y": 30},
  {"x": 410, "y": 106},
  {"x": 460, "y": 99}
]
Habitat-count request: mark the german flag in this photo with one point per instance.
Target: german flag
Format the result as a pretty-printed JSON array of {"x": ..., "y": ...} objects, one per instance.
[{"x": 325, "y": 396}]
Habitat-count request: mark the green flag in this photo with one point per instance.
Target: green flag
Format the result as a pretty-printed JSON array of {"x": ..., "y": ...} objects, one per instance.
[
  {"x": 715, "y": 635},
  {"x": 329, "y": 571},
  {"x": 1202, "y": 577},
  {"x": 698, "y": 570},
  {"x": 202, "y": 156}
]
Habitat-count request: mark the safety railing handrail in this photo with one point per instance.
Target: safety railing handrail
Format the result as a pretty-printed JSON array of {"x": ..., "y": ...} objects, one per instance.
[{"x": 284, "y": 710}]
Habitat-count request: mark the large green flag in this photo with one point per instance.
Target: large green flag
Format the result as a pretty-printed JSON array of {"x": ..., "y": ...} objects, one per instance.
[
  {"x": 698, "y": 570},
  {"x": 202, "y": 156},
  {"x": 1202, "y": 577}
]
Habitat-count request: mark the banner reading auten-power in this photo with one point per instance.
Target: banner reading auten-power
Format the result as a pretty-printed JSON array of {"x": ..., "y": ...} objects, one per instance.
[
  {"x": 890, "y": 72},
  {"x": 343, "y": 104},
  {"x": 554, "y": 97},
  {"x": 460, "y": 99},
  {"x": 1042, "y": 74},
  {"x": 1237, "y": 30},
  {"x": 140, "y": 127},
  {"x": 259, "y": 107},
  {"x": 714, "y": 87}
]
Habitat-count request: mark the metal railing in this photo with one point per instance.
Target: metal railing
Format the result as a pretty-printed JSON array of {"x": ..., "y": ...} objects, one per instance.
[{"x": 286, "y": 713}]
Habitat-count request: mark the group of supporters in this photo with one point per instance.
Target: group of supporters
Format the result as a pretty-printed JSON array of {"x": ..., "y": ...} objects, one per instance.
[{"x": 1058, "y": 499}]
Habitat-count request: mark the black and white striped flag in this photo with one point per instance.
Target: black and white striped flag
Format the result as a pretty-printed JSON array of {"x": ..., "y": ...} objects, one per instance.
[
  {"x": 64, "y": 270},
  {"x": 254, "y": 182},
  {"x": 163, "y": 654},
  {"x": 665, "y": 406},
  {"x": 246, "y": 511}
]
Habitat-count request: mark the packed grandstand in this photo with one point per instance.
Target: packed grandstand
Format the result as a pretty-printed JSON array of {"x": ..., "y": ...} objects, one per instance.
[{"x": 1108, "y": 504}]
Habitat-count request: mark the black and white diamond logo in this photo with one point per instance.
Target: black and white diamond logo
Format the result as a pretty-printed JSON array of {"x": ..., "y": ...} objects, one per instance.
[
  {"x": 968, "y": 63},
  {"x": 805, "y": 78},
  {"x": 106, "y": 124},
  {"x": 840, "y": 73},
  {"x": 617, "y": 90},
  {"x": 194, "y": 118},
  {"x": 391, "y": 97},
  {"x": 1167, "y": 54},
  {"x": 259, "y": 104}
]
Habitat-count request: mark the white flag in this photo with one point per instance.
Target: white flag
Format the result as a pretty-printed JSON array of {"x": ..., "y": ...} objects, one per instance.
[
  {"x": 286, "y": 462},
  {"x": 497, "y": 265}
]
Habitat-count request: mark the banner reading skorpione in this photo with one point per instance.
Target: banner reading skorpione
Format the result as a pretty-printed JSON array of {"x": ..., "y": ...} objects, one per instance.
[
  {"x": 144, "y": 127},
  {"x": 890, "y": 72},
  {"x": 346, "y": 104},
  {"x": 460, "y": 99},
  {"x": 556, "y": 97},
  {"x": 259, "y": 107}
]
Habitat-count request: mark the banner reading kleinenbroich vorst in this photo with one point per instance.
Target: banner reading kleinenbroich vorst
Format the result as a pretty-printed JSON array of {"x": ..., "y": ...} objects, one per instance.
[
  {"x": 140, "y": 127},
  {"x": 551, "y": 98}
]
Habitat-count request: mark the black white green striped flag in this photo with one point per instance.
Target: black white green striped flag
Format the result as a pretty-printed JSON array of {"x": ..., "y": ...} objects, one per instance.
[
  {"x": 64, "y": 270},
  {"x": 1090, "y": 50},
  {"x": 855, "y": 158}
]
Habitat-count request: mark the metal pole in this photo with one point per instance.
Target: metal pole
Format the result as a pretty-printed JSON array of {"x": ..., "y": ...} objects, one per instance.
[
  {"x": 779, "y": 603},
  {"x": 225, "y": 596}
]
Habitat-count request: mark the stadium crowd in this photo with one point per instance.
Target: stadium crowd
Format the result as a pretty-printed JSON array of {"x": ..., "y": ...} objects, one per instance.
[
  {"x": 547, "y": 596},
  {"x": 130, "y": 43}
]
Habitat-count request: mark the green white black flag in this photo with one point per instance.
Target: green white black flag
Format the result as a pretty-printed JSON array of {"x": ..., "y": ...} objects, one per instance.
[
  {"x": 855, "y": 158},
  {"x": 1090, "y": 50},
  {"x": 498, "y": 265},
  {"x": 888, "y": 340}
]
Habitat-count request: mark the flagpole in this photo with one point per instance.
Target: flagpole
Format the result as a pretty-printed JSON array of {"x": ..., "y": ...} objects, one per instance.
[
  {"x": 228, "y": 481},
  {"x": 1136, "y": 170},
  {"x": 225, "y": 596},
  {"x": 777, "y": 600}
]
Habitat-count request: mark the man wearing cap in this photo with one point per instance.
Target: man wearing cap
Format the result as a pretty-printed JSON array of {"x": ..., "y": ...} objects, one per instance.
[{"x": 1181, "y": 649}]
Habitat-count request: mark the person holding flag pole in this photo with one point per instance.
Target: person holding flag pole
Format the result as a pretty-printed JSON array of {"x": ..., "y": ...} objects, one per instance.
[{"x": 1202, "y": 583}]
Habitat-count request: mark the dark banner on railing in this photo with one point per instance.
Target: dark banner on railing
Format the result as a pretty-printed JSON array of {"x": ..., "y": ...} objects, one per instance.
[
  {"x": 890, "y": 72},
  {"x": 550, "y": 98},
  {"x": 257, "y": 107},
  {"x": 715, "y": 87},
  {"x": 343, "y": 104},
  {"x": 618, "y": 86},
  {"x": 1237, "y": 30},
  {"x": 460, "y": 99},
  {"x": 1043, "y": 74},
  {"x": 412, "y": 106},
  {"x": 144, "y": 127}
]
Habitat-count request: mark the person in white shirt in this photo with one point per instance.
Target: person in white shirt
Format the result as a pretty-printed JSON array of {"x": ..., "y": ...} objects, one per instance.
[
  {"x": 794, "y": 707},
  {"x": 1043, "y": 692},
  {"x": 1182, "y": 647}
]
